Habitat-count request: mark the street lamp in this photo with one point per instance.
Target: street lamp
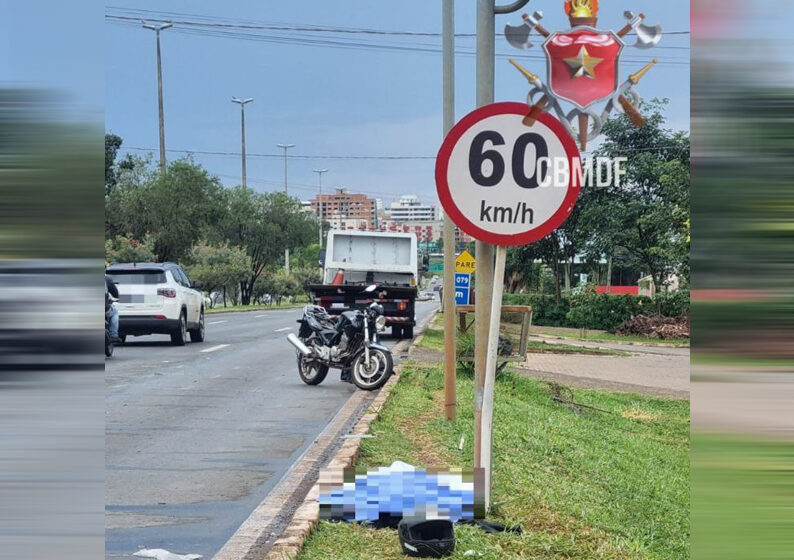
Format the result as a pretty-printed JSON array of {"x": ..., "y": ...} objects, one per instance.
[
  {"x": 242, "y": 103},
  {"x": 320, "y": 200},
  {"x": 157, "y": 29},
  {"x": 286, "y": 147}
]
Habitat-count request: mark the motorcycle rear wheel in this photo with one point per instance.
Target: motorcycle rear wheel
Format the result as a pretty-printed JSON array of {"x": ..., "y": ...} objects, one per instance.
[
  {"x": 311, "y": 372},
  {"x": 375, "y": 374}
]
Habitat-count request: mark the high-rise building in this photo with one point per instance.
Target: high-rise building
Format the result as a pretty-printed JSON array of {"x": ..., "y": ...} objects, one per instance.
[
  {"x": 410, "y": 209},
  {"x": 346, "y": 210}
]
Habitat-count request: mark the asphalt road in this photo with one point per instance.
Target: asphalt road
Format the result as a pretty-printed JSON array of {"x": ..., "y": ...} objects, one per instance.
[{"x": 196, "y": 436}]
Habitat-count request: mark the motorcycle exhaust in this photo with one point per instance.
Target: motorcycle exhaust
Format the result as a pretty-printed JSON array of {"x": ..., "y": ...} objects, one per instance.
[{"x": 297, "y": 343}]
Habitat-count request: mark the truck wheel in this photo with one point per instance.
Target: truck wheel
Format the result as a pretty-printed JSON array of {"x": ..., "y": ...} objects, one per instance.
[
  {"x": 408, "y": 332},
  {"x": 396, "y": 332}
]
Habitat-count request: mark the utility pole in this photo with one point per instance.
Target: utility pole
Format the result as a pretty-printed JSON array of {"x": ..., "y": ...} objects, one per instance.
[
  {"x": 286, "y": 147},
  {"x": 242, "y": 103},
  {"x": 484, "y": 253},
  {"x": 320, "y": 201},
  {"x": 157, "y": 29},
  {"x": 450, "y": 332}
]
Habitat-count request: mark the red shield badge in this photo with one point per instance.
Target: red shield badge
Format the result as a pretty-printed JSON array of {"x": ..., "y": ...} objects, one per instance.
[{"x": 583, "y": 65}]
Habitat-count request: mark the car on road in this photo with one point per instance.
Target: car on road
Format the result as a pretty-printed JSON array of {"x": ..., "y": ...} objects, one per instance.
[
  {"x": 158, "y": 298},
  {"x": 426, "y": 296}
]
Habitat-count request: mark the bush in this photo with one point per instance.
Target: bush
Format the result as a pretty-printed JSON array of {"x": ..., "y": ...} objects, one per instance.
[
  {"x": 673, "y": 304},
  {"x": 545, "y": 311},
  {"x": 125, "y": 248},
  {"x": 590, "y": 310},
  {"x": 585, "y": 309}
]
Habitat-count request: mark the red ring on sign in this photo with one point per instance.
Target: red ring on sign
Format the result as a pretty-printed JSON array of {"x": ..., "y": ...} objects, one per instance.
[{"x": 442, "y": 185}]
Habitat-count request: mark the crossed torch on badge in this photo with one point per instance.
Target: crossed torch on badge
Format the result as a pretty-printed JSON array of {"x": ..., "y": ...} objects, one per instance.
[{"x": 583, "y": 66}]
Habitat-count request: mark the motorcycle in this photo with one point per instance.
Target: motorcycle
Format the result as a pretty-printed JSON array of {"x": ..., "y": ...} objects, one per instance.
[{"x": 348, "y": 342}]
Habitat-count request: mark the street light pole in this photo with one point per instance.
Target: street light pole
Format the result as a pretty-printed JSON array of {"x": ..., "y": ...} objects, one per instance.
[
  {"x": 448, "y": 294},
  {"x": 320, "y": 201},
  {"x": 286, "y": 147},
  {"x": 242, "y": 103},
  {"x": 157, "y": 29}
]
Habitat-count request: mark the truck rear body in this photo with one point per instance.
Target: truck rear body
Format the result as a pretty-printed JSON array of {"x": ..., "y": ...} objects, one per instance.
[{"x": 356, "y": 259}]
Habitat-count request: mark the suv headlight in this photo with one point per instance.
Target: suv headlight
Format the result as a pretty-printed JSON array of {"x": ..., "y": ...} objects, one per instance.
[{"x": 380, "y": 323}]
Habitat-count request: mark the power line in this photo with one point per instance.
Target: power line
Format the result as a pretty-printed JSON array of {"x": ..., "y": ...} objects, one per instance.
[
  {"x": 281, "y": 156},
  {"x": 365, "y": 157},
  {"x": 242, "y": 33},
  {"x": 215, "y": 21}
]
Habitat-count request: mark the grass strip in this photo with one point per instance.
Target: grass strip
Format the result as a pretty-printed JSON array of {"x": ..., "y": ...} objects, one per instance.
[{"x": 590, "y": 476}]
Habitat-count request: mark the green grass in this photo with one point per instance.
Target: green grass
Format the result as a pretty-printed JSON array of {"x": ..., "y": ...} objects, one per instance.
[
  {"x": 603, "y": 336},
  {"x": 743, "y": 498},
  {"x": 434, "y": 340},
  {"x": 584, "y": 485},
  {"x": 705, "y": 359},
  {"x": 579, "y": 334},
  {"x": 254, "y": 307}
]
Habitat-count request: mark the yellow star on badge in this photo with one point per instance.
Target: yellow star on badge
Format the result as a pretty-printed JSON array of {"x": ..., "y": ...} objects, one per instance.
[{"x": 583, "y": 64}]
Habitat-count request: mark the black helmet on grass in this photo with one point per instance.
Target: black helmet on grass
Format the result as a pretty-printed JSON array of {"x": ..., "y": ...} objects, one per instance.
[{"x": 423, "y": 538}]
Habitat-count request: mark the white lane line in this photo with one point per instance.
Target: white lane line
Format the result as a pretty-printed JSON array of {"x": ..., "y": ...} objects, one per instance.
[
  {"x": 259, "y": 316},
  {"x": 284, "y": 329},
  {"x": 217, "y": 322},
  {"x": 213, "y": 348}
]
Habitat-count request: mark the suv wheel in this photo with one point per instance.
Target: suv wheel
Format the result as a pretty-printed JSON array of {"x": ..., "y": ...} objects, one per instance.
[
  {"x": 179, "y": 336},
  {"x": 197, "y": 334}
]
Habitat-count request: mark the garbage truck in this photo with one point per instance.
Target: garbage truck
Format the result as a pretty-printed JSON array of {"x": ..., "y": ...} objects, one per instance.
[{"x": 354, "y": 260}]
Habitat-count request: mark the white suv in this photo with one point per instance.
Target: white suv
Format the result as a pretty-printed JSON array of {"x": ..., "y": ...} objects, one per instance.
[{"x": 158, "y": 298}]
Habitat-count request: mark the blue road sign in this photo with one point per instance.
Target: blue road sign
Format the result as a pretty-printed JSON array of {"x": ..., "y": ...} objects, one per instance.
[{"x": 462, "y": 286}]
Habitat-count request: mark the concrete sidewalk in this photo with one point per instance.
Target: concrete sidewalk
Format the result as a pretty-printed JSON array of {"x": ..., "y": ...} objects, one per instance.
[{"x": 642, "y": 372}]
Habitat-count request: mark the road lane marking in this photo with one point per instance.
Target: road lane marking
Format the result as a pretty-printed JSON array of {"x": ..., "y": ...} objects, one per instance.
[
  {"x": 258, "y": 316},
  {"x": 216, "y": 322},
  {"x": 284, "y": 329},
  {"x": 213, "y": 348}
]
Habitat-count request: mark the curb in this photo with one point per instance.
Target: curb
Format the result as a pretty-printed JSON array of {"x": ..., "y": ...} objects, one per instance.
[{"x": 290, "y": 543}]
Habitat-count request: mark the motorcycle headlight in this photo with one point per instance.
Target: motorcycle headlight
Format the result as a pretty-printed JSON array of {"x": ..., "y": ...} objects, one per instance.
[{"x": 380, "y": 323}]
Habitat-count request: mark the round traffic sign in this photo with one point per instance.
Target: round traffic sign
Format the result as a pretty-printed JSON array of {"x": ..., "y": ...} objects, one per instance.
[{"x": 504, "y": 182}]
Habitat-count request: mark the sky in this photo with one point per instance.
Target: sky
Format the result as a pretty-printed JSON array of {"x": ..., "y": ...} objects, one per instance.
[{"x": 333, "y": 101}]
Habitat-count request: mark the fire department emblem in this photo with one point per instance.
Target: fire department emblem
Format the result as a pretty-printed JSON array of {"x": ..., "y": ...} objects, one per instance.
[{"x": 583, "y": 68}]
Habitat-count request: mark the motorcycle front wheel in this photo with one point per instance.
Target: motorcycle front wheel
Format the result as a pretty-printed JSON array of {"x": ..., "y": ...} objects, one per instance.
[
  {"x": 311, "y": 371},
  {"x": 372, "y": 375}
]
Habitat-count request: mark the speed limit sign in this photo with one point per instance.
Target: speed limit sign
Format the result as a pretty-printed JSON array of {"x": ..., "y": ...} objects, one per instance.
[{"x": 504, "y": 182}]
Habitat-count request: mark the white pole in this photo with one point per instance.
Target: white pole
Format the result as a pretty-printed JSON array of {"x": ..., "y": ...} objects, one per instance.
[{"x": 490, "y": 369}]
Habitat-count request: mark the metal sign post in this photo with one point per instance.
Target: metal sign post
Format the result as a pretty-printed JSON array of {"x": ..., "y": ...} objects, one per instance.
[{"x": 505, "y": 184}]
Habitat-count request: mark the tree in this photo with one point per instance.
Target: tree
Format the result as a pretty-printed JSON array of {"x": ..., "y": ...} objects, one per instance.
[
  {"x": 112, "y": 145},
  {"x": 306, "y": 276},
  {"x": 264, "y": 224},
  {"x": 645, "y": 217},
  {"x": 218, "y": 267},
  {"x": 178, "y": 206},
  {"x": 125, "y": 249}
]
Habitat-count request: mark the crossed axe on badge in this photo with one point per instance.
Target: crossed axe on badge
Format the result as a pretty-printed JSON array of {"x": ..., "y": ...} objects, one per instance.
[{"x": 623, "y": 96}]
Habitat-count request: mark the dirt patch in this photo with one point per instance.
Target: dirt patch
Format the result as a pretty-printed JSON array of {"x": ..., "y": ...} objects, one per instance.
[
  {"x": 638, "y": 415},
  {"x": 655, "y": 326}
]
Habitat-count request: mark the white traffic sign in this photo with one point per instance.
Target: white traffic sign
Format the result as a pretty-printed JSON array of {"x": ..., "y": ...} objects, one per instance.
[{"x": 504, "y": 182}]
